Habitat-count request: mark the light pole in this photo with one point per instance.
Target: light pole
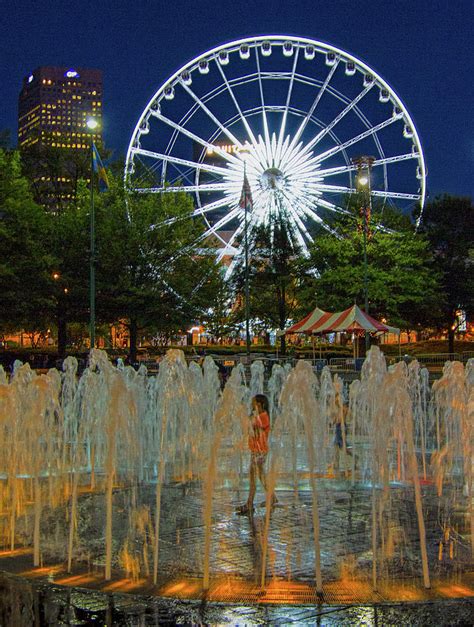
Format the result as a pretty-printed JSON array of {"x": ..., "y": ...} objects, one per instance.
[
  {"x": 364, "y": 166},
  {"x": 247, "y": 286},
  {"x": 246, "y": 199},
  {"x": 92, "y": 125}
]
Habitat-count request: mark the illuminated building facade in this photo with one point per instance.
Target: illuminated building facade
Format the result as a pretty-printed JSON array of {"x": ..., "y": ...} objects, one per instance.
[{"x": 53, "y": 108}]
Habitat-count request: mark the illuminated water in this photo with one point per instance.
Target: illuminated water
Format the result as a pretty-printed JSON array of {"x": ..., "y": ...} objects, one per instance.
[{"x": 95, "y": 469}]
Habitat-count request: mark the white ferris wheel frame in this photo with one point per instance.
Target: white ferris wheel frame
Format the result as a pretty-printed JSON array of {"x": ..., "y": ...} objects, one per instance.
[{"x": 233, "y": 184}]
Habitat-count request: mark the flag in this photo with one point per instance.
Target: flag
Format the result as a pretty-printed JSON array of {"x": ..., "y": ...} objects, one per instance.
[
  {"x": 246, "y": 196},
  {"x": 99, "y": 168}
]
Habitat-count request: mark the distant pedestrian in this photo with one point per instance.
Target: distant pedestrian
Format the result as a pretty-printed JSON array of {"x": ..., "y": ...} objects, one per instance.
[{"x": 340, "y": 431}]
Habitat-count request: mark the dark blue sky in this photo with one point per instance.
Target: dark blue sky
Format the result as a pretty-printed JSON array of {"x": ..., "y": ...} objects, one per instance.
[{"x": 423, "y": 48}]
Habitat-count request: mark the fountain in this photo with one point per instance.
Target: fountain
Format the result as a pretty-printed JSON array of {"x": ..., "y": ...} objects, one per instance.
[{"x": 120, "y": 480}]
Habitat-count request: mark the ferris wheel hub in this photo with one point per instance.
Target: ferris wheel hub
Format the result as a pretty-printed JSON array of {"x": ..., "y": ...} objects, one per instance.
[{"x": 272, "y": 180}]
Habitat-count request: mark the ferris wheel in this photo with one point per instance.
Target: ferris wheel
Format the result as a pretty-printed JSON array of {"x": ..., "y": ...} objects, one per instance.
[{"x": 293, "y": 115}]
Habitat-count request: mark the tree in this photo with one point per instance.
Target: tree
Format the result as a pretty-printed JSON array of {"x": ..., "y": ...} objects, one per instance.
[
  {"x": 220, "y": 319},
  {"x": 448, "y": 223},
  {"x": 26, "y": 287},
  {"x": 151, "y": 269},
  {"x": 274, "y": 274},
  {"x": 402, "y": 279},
  {"x": 68, "y": 242},
  {"x": 55, "y": 174}
]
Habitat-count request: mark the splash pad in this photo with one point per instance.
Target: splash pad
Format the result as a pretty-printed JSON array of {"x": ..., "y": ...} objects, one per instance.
[{"x": 127, "y": 483}]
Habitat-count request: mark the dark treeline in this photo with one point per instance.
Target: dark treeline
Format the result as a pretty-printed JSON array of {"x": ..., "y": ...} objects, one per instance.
[{"x": 155, "y": 276}]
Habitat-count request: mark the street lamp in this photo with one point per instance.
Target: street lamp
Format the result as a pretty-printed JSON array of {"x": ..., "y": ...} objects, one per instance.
[
  {"x": 364, "y": 166},
  {"x": 92, "y": 124}
]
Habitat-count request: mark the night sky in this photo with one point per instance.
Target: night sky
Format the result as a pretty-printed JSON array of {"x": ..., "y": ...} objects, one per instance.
[{"x": 423, "y": 48}]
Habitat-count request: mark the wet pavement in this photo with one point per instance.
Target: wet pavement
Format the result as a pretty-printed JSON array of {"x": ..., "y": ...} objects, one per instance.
[{"x": 53, "y": 597}]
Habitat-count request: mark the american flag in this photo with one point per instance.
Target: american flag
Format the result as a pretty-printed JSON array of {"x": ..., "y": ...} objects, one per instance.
[{"x": 246, "y": 202}]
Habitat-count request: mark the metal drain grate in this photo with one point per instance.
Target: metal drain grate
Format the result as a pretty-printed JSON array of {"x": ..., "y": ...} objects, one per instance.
[{"x": 278, "y": 593}]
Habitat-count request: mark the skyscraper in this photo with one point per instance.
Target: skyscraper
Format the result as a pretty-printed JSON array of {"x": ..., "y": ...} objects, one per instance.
[{"x": 53, "y": 108}]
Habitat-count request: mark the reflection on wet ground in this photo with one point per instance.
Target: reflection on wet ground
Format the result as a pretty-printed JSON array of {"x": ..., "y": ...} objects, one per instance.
[{"x": 235, "y": 595}]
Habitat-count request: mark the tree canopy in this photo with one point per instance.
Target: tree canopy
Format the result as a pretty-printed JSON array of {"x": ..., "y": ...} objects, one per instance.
[
  {"x": 275, "y": 271},
  {"x": 156, "y": 274},
  {"x": 448, "y": 223},
  {"x": 151, "y": 266},
  {"x": 402, "y": 279},
  {"x": 25, "y": 262},
  {"x": 152, "y": 271}
]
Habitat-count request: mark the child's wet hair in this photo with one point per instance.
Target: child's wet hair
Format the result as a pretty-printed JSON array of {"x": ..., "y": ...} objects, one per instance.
[{"x": 262, "y": 400}]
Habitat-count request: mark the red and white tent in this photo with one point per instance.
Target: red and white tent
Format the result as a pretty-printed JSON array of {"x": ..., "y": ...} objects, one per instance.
[
  {"x": 353, "y": 320},
  {"x": 306, "y": 324}
]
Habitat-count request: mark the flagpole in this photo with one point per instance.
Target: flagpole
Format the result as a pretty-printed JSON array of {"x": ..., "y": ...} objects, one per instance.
[
  {"x": 247, "y": 290},
  {"x": 92, "y": 125},
  {"x": 92, "y": 256}
]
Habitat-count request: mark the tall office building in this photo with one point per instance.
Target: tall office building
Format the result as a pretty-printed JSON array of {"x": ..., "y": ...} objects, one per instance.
[{"x": 53, "y": 108}]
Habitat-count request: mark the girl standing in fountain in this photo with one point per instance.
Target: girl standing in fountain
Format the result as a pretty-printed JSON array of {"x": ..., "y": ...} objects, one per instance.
[{"x": 258, "y": 445}]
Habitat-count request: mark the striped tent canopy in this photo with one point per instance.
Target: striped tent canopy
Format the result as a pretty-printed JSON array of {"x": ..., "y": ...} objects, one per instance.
[
  {"x": 353, "y": 320},
  {"x": 306, "y": 324}
]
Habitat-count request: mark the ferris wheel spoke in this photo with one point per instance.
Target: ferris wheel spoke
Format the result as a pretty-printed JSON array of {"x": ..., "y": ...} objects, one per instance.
[
  {"x": 199, "y": 211},
  {"x": 230, "y": 270},
  {"x": 326, "y": 204},
  {"x": 378, "y": 162},
  {"x": 312, "y": 214},
  {"x": 298, "y": 234},
  {"x": 182, "y": 129},
  {"x": 244, "y": 120},
  {"x": 230, "y": 244},
  {"x": 396, "y": 159},
  {"x": 252, "y": 221},
  {"x": 315, "y": 103},
  {"x": 307, "y": 208},
  {"x": 212, "y": 206},
  {"x": 352, "y": 168},
  {"x": 342, "y": 189},
  {"x": 287, "y": 105},
  {"x": 335, "y": 189},
  {"x": 389, "y": 194},
  {"x": 350, "y": 142},
  {"x": 209, "y": 113},
  {"x": 149, "y": 172},
  {"x": 175, "y": 189},
  {"x": 225, "y": 220},
  {"x": 178, "y": 161},
  {"x": 228, "y": 247},
  {"x": 338, "y": 117},
  {"x": 186, "y": 175},
  {"x": 301, "y": 228},
  {"x": 266, "y": 132}
]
